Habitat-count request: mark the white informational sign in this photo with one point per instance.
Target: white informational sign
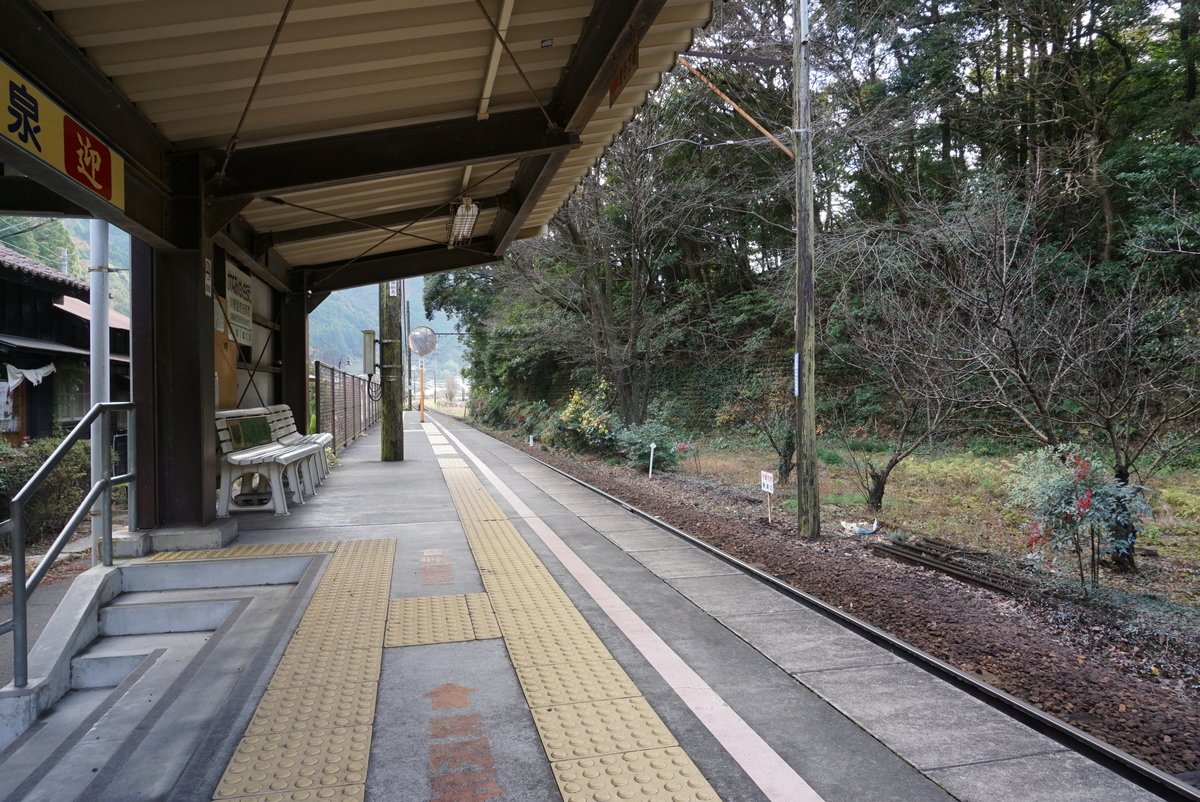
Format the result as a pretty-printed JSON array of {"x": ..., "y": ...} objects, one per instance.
[
  {"x": 768, "y": 482},
  {"x": 239, "y": 294}
]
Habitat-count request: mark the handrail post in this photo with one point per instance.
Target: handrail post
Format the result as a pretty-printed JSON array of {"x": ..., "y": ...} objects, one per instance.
[
  {"x": 20, "y": 628},
  {"x": 106, "y": 473}
]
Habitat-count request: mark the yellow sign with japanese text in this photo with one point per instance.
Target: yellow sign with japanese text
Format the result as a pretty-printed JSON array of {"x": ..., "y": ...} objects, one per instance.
[{"x": 36, "y": 123}]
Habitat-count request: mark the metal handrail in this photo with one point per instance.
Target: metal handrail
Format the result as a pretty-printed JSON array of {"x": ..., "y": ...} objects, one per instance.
[{"x": 101, "y": 491}]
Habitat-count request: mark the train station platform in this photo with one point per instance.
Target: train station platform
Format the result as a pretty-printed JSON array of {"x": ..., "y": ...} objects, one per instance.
[{"x": 470, "y": 625}]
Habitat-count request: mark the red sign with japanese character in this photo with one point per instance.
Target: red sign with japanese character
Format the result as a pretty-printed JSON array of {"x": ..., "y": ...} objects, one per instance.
[{"x": 87, "y": 160}]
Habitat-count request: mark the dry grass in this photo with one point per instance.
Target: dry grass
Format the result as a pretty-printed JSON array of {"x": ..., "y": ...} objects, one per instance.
[{"x": 961, "y": 497}]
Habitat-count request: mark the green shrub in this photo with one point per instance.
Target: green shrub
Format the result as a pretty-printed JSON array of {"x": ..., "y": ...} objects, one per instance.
[
  {"x": 829, "y": 457},
  {"x": 50, "y": 508},
  {"x": 529, "y": 418},
  {"x": 867, "y": 445},
  {"x": 634, "y": 443},
  {"x": 583, "y": 426},
  {"x": 489, "y": 408}
]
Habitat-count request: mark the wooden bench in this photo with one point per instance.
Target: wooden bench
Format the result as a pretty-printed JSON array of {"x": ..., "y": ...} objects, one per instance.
[{"x": 249, "y": 445}]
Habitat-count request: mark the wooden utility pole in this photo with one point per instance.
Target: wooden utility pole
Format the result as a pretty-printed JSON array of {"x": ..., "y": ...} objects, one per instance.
[
  {"x": 391, "y": 372},
  {"x": 808, "y": 499}
]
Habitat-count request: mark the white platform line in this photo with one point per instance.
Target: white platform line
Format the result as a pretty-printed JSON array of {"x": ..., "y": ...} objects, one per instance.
[{"x": 777, "y": 780}]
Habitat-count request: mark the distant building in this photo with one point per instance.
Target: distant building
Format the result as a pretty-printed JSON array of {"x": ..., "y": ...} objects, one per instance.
[{"x": 44, "y": 368}]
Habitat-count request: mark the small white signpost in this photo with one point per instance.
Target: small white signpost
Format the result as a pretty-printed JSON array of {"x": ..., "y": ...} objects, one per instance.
[{"x": 768, "y": 486}]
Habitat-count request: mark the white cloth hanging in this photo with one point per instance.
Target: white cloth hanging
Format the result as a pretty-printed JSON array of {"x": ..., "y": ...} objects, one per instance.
[
  {"x": 15, "y": 376},
  {"x": 33, "y": 375}
]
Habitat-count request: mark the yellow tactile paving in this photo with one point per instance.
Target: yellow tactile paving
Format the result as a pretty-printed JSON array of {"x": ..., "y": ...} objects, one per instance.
[
  {"x": 303, "y": 669},
  {"x": 590, "y": 729},
  {"x": 314, "y": 708},
  {"x": 344, "y": 793},
  {"x": 428, "y": 619},
  {"x": 440, "y": 619},
  {"x": 483, "y": 618},
  {"x": 444, "y": 450},
  {"x": 310, "y": 760},
  {"x": 310, "y": 737},
  {"x": 656, "y": 774},
  {"x": 565, "y": 683},
  {"x": 452, "y": 463},
  {"x": 259, "y": 550},
  {"x": 603, "y": 739},
  {"x": 438, "y": 440}
]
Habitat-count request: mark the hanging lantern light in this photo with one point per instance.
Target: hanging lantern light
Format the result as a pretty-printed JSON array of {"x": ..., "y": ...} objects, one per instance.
[{"x": 462, "y": 222}]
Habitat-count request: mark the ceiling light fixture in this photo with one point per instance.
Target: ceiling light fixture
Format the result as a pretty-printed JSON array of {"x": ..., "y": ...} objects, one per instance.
[{"x": 462, "y": 222}]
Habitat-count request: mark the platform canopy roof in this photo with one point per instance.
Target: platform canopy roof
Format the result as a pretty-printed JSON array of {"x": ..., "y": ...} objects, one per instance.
[{"x": 370, "y": 115}]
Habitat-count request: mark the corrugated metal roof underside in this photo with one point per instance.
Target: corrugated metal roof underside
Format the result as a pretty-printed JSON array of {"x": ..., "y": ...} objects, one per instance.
[{"x": 352, "y": 65}]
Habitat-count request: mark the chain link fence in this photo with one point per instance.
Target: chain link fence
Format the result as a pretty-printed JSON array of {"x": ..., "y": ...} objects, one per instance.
[{"x": 344, "y": 405}]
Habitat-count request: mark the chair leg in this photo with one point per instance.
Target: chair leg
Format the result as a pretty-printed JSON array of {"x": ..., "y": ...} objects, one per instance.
[
  {"x": 309, "y": 467},
  {"x": 293, "y": 480},
  {"x": 226, "y": 489},
  {"x": 275, "y": 477}
]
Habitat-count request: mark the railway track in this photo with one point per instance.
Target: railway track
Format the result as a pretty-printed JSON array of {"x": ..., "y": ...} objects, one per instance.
[
  {"x": 940, "y": 553},
  {"x": 973, "y": 567}
]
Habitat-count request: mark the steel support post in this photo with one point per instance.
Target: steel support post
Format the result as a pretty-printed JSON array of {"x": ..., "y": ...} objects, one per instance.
[
  {"x": 99, "y": 367},
  {"x": 293, "y": 342}
]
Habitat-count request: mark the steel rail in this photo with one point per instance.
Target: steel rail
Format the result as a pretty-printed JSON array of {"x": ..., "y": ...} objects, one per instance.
[{"x": 1121, "y": 763}]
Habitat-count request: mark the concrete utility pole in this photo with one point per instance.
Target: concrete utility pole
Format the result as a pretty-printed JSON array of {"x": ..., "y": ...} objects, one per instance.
[
  {"x": 808, "y": 499},
  {"x": 391, "y": 372}
]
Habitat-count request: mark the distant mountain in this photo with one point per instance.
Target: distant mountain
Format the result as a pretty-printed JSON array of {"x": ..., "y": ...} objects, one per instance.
[
  {"x": 118, "y": 259},
  {"x": 335, "y": 328}
]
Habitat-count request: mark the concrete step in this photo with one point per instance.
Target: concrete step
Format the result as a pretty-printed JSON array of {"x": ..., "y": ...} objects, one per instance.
[
  {"x": 169, "y": 665},
  {"x": 126, "y": 618}
]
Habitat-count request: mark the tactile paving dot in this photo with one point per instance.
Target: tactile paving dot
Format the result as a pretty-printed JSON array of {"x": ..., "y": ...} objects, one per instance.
[
  {"x": 438, "y": 440},
  {"x": 446, "y": 449},
  {"x": 661, "y": 775},
  {"x": 325, "y": 667},
  {"x": 544, "y": 649},
  {"x": 314, "y": 708},
  {"x": 567, "y": 683},
  {"x": 342, "y": 793},
  {"x": 297, "y": 761},
  {"x": 600, "y": 728},
  {"x": 428, "y": 619},
  {"x": 483, "y": 618}
]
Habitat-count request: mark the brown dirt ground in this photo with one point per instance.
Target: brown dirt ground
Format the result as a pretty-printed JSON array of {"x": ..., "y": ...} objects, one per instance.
[{"x": 1131, "y": 683}]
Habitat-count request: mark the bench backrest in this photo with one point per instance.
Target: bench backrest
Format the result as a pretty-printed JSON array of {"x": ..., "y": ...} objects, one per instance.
[
  {"x": 283, "y": 422},
  {"x": 235, "y": 433}
]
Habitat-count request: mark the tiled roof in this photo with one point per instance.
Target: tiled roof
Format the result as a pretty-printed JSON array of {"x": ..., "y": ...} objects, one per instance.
[{"x": 11, "y": 260}]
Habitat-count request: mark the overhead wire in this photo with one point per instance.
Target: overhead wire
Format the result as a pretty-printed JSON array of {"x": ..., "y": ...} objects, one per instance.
[
  {"x": 403, "y": 230},
  {"x": 521, "y": 72},
  {"x": 26, "y": 231},
  {"x": 262, "y": 69}
]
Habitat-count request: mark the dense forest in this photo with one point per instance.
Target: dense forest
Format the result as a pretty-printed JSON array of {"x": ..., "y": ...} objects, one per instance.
[{"x": 1008, "y": 215}]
